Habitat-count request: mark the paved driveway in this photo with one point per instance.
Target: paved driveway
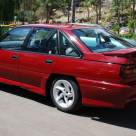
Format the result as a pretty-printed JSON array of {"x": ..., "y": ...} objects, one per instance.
[{"x": 23, "y": 113}]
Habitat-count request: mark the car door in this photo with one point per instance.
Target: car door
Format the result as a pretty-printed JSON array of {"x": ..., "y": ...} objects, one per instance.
[
  {"x": 10, "y": 50},
  {"x": 40, "y": 57}
]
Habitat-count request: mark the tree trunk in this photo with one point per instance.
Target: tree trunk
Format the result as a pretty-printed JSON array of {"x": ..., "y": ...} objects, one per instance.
[
  {"x": 31, "y": 6},
  {"x": 34, "y": 2},
  {"x": 96, "y": 12},
  {"x": 73, "y": 11},
  {"x": 133, "y": 9},
  {"x": 118, "y": 18},
  {"x": 100, "y": 4},
  {"x": 88, "y": 14},
  {"x": 68, "y": 10},
  {"x": 122, "y": 14},
  {"x": 23, "y": 11},
  {"x": 47, "y": 13}
]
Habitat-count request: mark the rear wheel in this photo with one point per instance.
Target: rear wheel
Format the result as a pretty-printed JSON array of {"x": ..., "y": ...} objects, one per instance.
[{"x": 65, "y": 94}]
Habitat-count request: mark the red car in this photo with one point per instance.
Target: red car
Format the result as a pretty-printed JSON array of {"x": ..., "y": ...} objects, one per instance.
[{"x": 77, "y": 65}]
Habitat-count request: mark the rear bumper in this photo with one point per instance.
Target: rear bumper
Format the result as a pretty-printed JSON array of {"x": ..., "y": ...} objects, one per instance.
[{"x": 102, "y": 94}]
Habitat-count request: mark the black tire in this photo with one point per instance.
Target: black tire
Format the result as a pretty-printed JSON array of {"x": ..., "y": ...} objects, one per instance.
[{"x": 77, "y": 99}]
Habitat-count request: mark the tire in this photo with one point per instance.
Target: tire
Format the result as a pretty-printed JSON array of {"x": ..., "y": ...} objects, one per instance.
[{"x": 65, "y": 94}]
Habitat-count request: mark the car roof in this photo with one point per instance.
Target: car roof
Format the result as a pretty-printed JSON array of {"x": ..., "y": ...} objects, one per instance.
[{"x": 70, "y": 26}]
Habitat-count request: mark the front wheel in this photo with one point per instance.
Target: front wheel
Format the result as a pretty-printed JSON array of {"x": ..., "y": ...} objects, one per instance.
[{"x": 65, "y": 94}]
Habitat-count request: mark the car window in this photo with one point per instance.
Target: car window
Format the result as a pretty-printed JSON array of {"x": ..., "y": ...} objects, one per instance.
[
  {"x": 100, "y": 40},
  {"x": 14, "y": 39},
  {"x": 66, "y": 48},
  {"x": 43, "y": 40}
]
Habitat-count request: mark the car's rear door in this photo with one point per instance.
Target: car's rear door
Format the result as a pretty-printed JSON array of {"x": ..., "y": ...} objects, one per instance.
[
  {"x": 40, "y": 57},
  {"x": 10, "y": 50}
]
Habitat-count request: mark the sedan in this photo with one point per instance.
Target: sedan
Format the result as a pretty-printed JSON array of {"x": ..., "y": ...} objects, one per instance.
[{"x": 74, "y": 64}]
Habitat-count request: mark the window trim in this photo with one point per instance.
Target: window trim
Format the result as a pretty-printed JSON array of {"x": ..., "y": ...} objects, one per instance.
[
  {"x": 97, "y": 28},
  {"x": 28, "y": 38},
  {"x": 24, "y": 40},
  {"x": 73, "y": 44}
]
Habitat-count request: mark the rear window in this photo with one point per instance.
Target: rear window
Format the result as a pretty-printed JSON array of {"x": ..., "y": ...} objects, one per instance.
[{"x": 100, "y": 40}]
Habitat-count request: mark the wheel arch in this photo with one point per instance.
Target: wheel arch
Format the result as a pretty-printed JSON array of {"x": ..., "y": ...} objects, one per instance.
[{"x": 52, "y": 77}]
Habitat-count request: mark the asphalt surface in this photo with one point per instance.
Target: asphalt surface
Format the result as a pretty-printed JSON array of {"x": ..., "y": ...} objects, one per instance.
[{"x": 23, "y": 113}]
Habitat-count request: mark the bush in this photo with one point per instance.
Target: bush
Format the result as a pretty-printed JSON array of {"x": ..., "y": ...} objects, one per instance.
[
  {"x": 134, "y": 37},
  {"x": 131, "y": 24},
  {"x": 124, "y": 24},
  {"x": 115, "y": 28},
  {"x": 53, "y": 21},
  {"x": 109, "y": 18},
  {"x": 125, "y": 35},
  {"x": 59, "y": 22},
  {"x": 58, "y": 16}
]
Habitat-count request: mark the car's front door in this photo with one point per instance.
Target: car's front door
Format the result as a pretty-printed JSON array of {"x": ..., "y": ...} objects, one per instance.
[
  {"x": 10, "y": 51},
  {"x": 39, "y": 58}
]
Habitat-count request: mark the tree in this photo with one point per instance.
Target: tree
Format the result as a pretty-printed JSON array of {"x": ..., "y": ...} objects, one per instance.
[
  {"x": 133, "y": 3},
  {"x": 131, "y": 25},
  {"x": 86, "y": 4},
  {"x": 47, "y": 6},
  {"x": 96, "y": 8},
  {"x": 116, "y": 6},
  {"x": 100, "y": 5},
  {"x": 23, "y": 11},
  {"x": 68, "y": 10},
  {"x": 8, "y": 9},
  {"x": 68, "y": 3},
  {"x": 115, "y": 28},
  {"x": 73, "y": 11}
]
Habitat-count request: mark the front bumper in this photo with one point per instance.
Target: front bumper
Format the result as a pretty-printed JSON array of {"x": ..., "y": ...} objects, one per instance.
[{"x": 102, "y": 94}]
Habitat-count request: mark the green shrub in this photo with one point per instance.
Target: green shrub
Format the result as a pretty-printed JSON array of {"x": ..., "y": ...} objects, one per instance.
[
  {"x": 109, "y": 18},
  {"x": 125, "y": 35},
  {"x": 115, "y": 28},
  {"x": 59, "y": 22},
  {"x": 53, "y": 21},
  {"x": 58, "y": 16},
  {"x": 134, "y": 37},
  {"x": 131, "y": 24}
]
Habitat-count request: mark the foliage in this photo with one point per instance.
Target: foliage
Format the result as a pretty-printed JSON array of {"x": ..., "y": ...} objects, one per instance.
[
  {"x": 133, "y": 37},
  {"x": 125, "y": 23},
  {"x": 86, "y": 4},
  {"x": 59, "y": 22},
  {"x": 110, "y": 16},
  {"x": 125, "y": 35},
  {"x": 8, "y": 9},
  {"x": 131, "y": 25},
  {"x": 115, "y": 28},
  {"x": 58, "y": 16}
]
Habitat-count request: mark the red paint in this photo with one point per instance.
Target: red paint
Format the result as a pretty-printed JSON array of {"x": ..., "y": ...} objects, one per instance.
[
  {"x": 32, "y": 68},
  {"x": 97, "y": 74},
  {"x": 8, "y": 65}
]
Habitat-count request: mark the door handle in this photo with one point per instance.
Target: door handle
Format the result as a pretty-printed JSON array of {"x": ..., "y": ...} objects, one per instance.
[
  {"x": 48, "y": 61},
  {"x": 15, "y": 57}
]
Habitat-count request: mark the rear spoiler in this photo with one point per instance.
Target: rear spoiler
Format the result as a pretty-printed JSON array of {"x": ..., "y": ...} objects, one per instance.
[{"x": 127, "y": 53}]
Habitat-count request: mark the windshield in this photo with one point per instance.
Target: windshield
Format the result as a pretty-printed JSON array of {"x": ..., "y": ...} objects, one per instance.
[{"x": 100, "y": 40}]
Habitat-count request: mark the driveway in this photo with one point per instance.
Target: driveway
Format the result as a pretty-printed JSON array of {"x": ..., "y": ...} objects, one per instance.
[{"x": 23, "y": 113}]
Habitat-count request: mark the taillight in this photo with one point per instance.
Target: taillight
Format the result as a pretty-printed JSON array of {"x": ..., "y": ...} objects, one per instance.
[{"x": 128, "y": 71}]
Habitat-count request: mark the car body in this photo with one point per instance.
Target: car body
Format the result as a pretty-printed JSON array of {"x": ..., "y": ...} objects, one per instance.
[{"x": 57, "y": 59}]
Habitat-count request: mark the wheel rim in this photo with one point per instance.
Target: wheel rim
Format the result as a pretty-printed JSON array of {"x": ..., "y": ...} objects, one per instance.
[{"x": 63, "y": 93}]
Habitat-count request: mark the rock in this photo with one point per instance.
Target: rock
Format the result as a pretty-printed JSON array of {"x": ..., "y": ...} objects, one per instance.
[{"x": 123, "y": 32}]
